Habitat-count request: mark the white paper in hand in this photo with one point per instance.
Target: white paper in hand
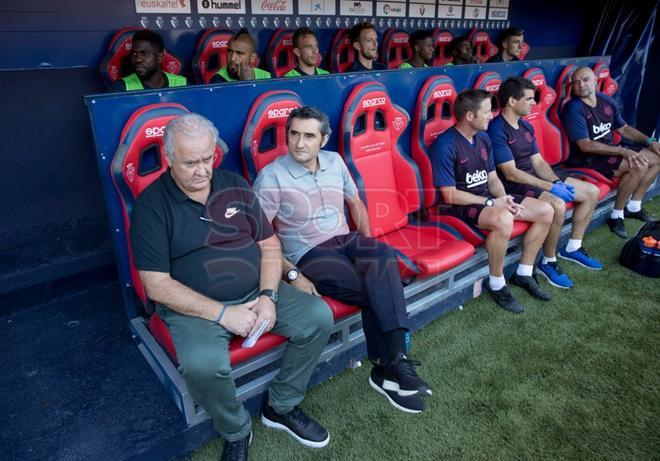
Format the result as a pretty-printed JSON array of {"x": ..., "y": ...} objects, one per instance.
[{"x": 252, "y": 339}]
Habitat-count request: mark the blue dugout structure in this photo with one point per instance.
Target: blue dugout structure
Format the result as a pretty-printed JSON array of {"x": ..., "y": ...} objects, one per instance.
[{"x": 227, "y": 105}]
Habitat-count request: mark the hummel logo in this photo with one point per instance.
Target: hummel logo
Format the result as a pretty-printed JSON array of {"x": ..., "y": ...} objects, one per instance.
[{"x": 231, "y": 212}]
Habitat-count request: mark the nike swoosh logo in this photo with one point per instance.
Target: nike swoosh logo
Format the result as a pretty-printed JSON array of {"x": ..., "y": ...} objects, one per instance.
[
  {"x": 511, "y": 141},
  {"x": 463, "y": 160},
  {"x": 205, "y": 219},
  {"x": 230, "y": 212}
]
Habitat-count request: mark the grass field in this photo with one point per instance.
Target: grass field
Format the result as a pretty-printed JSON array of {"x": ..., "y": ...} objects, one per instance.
[{"x": 576, "y": 378}]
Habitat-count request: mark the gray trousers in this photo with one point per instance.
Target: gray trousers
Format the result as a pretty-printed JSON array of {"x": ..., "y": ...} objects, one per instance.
[{"x": 202, "y": 350}]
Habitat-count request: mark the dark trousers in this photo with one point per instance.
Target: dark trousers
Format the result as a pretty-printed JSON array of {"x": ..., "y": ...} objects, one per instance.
[{"x": 364, "y": 272}]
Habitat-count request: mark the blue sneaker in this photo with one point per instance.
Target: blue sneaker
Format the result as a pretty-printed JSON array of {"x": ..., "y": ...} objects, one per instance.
[
  {"x": 581, "y": 257},
  {"x": 554, "y": 275}
]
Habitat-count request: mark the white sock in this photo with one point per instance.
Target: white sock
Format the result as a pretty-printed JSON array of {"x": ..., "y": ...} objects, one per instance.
[
  {"x": 548, "y": 259},
  {"x": 634, "y": 205},
  {"x": 616, "y": 214},
  {"x": 573, "y": 244},
  {"x": 496, "y": 283},
  {"x": 525, "y": 270}
]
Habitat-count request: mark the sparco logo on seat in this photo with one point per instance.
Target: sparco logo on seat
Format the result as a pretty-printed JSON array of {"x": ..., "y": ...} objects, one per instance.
[
  {"x": 442, "y": 93},
  {"x": 219, "y": 43},
  {"x": 154, "y": 132},
  {"x": 373, "y": 102},
  {"x": 493, "y": 87},
  {"x": 280, "y": 113}
]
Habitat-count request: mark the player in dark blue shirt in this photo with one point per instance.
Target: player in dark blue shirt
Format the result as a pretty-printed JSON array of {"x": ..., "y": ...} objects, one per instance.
[
  {"x": 589, "y": 119},
  {"x": 365, "y": 41},
  {"x": 464, "y": 171},
  {"x": 525, "y": 172}
]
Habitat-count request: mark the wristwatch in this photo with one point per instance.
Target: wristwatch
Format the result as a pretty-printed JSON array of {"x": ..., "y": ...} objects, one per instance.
[
  {"x": 292, "y": 275},
  {"x": 270, "y": 294},
  {"x": 556, "y": 181},
  {"x": 650, "y": 141},
  {"x": 490, "y": 201}
]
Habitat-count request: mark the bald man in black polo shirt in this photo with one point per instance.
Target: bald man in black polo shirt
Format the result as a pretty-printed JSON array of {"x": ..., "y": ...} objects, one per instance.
[{"x": 208, "y": 257}]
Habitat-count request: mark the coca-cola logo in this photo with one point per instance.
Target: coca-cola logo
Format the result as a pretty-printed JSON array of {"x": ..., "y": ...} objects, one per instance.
[{"x": 273, "y": 5}]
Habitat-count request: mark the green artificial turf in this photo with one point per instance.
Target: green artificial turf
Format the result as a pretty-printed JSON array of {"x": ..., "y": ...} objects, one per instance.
[{"x": 576, "y": 378}]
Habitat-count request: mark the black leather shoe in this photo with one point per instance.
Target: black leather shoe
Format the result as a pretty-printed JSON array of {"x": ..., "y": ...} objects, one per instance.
[
  {"x": 298, "y": 425},
  {"x": 616, "y": 226},
  {"x": 530, "y": 284},
  {"x": 237, "y": 450},
  {"x": 642, "y": 215},
  {"x": 505, "y": 299}
]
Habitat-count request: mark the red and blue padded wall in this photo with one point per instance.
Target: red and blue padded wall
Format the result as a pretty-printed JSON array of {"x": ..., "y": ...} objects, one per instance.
[{"x": 108, "y": 114}]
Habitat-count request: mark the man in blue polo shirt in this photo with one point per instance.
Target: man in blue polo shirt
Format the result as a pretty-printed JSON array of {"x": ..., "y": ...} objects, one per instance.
[
  {"x": 525, "y": 172},
  {"x": 464, "y": 171},
  {"x": 589, "y": 119},
  {"x": 304, "y": 193},
  {"x": 208, "y": 258}
]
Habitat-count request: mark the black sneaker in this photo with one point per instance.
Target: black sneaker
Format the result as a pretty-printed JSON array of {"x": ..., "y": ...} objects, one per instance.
[
  {"x": 616, "y": 226},
  {"x": 642, "y": 215},
  {"x": 401, "y": 377},
  {"x": 410, "y": 404},
  {"x": 298, "y": 425},
  {"x": 530, "y": 284},
  {"x": 237, "y": 450},
  {"x": 505, "y": 299}
]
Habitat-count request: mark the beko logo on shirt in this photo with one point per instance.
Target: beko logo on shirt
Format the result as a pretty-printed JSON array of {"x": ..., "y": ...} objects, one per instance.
[
  {"x": 476, "y": 179},
  {"x": 598, "y": 129},
  {"x": 442, "y": 93},
  {"x": 154, "y": 132},
  {"x": 373, "y": 102},
  {"x": 280, "y": 113}
]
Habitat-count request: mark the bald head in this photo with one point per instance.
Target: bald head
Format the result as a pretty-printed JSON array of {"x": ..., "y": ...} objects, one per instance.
[{"x": 584, "y": 82}]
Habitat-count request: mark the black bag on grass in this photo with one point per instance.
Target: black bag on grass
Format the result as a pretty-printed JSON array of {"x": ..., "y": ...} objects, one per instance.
[{"x": 642, "y": 252}]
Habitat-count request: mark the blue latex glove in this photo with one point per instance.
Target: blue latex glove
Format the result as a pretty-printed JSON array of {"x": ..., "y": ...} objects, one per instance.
[{"x": 565, "y": 192}]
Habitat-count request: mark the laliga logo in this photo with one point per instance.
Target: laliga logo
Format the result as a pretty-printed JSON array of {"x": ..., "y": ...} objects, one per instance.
[
  {"x": 374, "y": 102},
  {"x": 255, "y": 145},
  {"x": 155, "y": 132},
  {"x": 397, "y": 123},
  {"x": 128, "y": 46},
  {"x": 130, "y": 172},
  {"x": 602, "y": 128},
  {"x": 280, "y": 113},
  {"x": 172, "y": 67},
  {"x": 493, "y": 87},
  {"x": 549, "y": 98},
  {"x": 538, "y": 82},
  {"x": 476, "y": 178},
  {"x": 442, "y": 93},
  {"x": 219, "y": 43}
]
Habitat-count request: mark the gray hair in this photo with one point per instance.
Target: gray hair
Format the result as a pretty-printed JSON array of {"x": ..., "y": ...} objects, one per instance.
[{"x": 190, "y": 125}]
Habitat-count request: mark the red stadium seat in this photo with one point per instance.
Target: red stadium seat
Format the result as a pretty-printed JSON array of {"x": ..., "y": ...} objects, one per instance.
[
  {"x": 606, "y": 84},
  {"x": 434, "y": 114},
  {"x": 483, "y": 48},
  {"x": 394, "y": 48},
  {"x": 279, "y": 57},
  {"x": 524, "y": 51},
  {"x": 441, "y": 40},
  {"x": 264, "y": 135},
  {"x": 116, "y": 63},
  {"x": 210, "y": 54},
  {"x": 490, "y": 81},
  {"x": 548, "y": 136},
  {"x": 563, "y": 89},
  {"x": 342, "y": 53},
  {"x": 138, "y": 162},
  {"x": 264, "y": 139},
  {"x": 389, "y": 183}
]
